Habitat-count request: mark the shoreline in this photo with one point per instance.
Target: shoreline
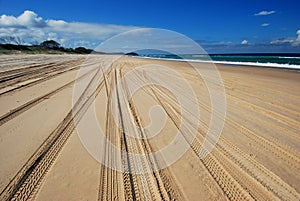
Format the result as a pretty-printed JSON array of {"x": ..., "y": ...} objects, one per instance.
[{"x": 229, "y": 63}]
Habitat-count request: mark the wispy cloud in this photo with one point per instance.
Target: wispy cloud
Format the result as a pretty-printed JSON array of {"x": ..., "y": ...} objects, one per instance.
[
  {"x": 265, "y": 13},
  {"x": 32, "y": 28},
  {"x": 213, "y": 42},
  {"x": 282, "y": 41},
  {"x": 265, "y": 24}
]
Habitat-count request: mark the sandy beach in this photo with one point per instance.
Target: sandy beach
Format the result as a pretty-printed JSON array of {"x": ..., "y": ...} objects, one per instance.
[{"x": 43, "y": 155}]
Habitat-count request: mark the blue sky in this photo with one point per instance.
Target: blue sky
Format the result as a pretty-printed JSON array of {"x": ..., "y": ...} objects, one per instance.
[{"x": 219, "y": 26}]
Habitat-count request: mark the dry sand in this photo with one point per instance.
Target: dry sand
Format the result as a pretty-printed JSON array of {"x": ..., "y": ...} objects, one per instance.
[{"x": 42, "y": 158}]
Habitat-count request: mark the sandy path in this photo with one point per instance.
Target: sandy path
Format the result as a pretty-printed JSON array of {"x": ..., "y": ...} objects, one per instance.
[{"x": 256, "y": 158}]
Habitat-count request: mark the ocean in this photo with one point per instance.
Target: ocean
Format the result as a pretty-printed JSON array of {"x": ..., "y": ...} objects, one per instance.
[{"x": 291, "y": 61}]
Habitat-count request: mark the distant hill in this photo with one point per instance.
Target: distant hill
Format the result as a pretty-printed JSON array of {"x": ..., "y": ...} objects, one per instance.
[{"x": 132, "y": 54}]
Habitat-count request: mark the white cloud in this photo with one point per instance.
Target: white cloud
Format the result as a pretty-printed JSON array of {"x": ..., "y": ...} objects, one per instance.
[
  {"x": 244, "y": 42},
  {"x": 282, "y": 40},
  {"x": 8, "y": 20},
  {"x": 297, "y": 41},
  {"x": 265, "y": 24},
  {"x": 56, "y": 23},
  {"x": 265, "y": 13},
  {"x": 290, "y": 40},
  {"x": 29, "y": 18},
  {"x": 32, "y": 28},
  {"x": 26, "y": 19}
]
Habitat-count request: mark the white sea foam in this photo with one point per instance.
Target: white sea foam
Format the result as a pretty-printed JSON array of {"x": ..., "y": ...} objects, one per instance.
[
  {"x": 270, "y": 65},
  {"x": 289, "y": 57}
]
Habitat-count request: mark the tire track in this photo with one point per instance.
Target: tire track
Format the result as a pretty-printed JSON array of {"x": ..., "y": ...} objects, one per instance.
[
  {"x": 12, "y": 77},
  {"x": 110, "y": 185},
  {"x": 282, "y": 151},
  {"x": 130, "y": 180},
  {"x": 34, "y": 82},
  {"x": 160, "y": 180},
  {"x": 26, "y": 183},
  {"x": 136, "y": 186},
  {"x": 275, "y": 103},
  {"x": 46, "y": 70},
  {"x": 46, "y": 67},
  {"x": 19, "y": 110},
  {"x": 227, "y": 182},
  {"x": 273, "y": 115},
  {"x": 232, "y": 189},
  {"x": 269, "y": 85},
  {"x": 23, "y": 61},
  {"x": 47, "y": 76},
  {"x": 269, "y": 180}
]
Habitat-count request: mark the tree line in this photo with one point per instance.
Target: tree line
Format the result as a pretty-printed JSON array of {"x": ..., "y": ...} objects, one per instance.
[{"x": 47, "y": 46}]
